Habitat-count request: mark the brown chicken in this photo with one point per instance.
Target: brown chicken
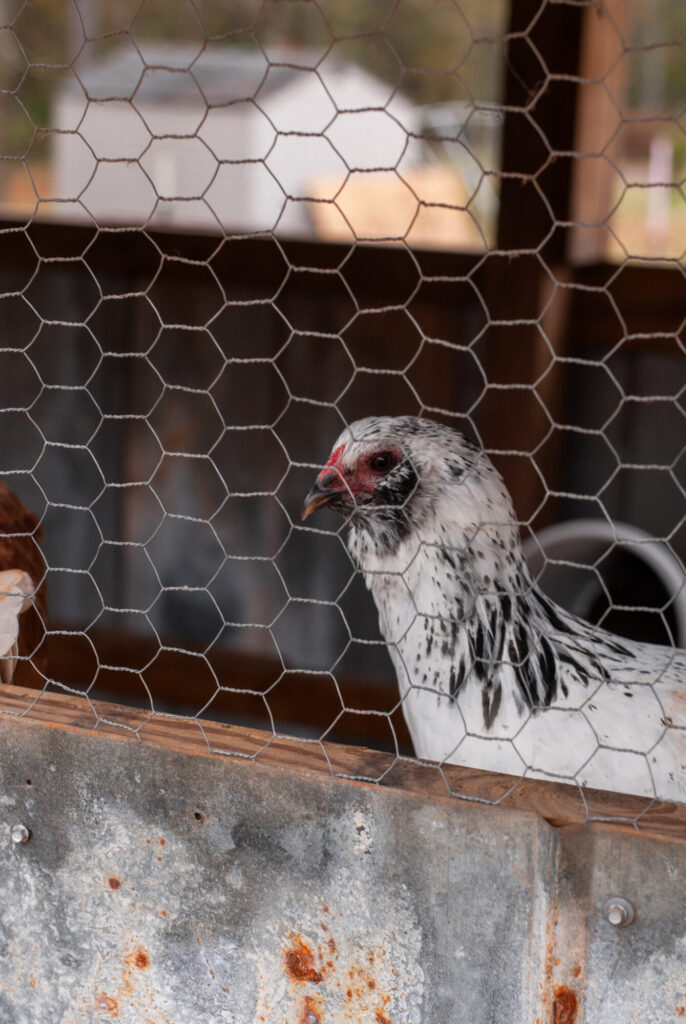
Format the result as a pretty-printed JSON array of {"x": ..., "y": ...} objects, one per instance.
[{"x": 19, "y": 536}]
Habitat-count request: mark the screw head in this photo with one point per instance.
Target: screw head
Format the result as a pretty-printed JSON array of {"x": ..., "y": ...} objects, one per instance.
[
  {"x": 618, "y": 911},
  {"x": 20, "y": 834}
]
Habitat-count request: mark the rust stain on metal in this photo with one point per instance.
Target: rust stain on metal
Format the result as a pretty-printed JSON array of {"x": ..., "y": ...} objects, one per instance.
[
  {"x": 565, "y": 1005},
  {"x": 350, "y": 982},
  {"x": 680, "y": 1011},
  {"x": 577, "y": 970},
  {"x": 300, "y": 963},
  {"x": 114, "y": 883},
  {"x": 107, "y": 1004},
  {"x": 548, "y": 961},
  {"x": 138, "y": 958},
  {"x": 311, "y": 1011}
]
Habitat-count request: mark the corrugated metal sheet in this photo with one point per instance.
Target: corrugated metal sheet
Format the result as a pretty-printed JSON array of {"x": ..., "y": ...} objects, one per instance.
[{"x": 166, "y": 888}]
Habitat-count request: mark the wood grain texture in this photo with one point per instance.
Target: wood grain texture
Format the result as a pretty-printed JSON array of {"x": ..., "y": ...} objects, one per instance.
[{"x": 560, "y": 805}]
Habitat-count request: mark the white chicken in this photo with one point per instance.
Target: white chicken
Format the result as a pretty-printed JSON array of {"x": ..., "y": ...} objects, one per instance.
[{"x": 492, "y": 673}]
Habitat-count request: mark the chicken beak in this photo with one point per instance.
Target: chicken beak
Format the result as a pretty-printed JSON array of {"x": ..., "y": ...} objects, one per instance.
[{"x": 315, "y": 499}]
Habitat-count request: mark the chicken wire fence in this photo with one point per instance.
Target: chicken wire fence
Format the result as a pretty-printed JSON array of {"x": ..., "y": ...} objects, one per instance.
[{"x": 231, "y": 230}]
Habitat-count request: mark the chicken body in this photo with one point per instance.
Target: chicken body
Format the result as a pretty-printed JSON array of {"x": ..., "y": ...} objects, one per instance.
[
  {"x": 19, "y": 535},
  {"x": 491, "y": 673},
  {"x": 16, "y": 596}
]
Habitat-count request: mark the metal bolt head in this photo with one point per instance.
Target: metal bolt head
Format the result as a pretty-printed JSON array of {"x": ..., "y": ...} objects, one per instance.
[
  {"x": 619, "y": 912},
  {"x": 19, "y": 834}
]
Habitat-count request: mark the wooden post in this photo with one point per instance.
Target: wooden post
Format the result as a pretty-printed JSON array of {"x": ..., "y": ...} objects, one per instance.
[
  {"x": 524, "y": 282},
  {"x": 598, "y": 118}
]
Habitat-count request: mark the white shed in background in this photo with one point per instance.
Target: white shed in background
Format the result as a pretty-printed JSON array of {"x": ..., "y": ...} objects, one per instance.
[{"x": 225, "y": 139}]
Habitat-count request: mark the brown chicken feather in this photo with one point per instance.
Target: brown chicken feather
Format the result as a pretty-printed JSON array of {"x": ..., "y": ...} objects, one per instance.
[{"x": 19, "y": 536}]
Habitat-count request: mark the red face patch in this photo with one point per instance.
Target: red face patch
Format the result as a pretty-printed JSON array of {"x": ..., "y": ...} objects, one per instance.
[
  {"x": 332, "y": 472},
  {"x": 366, "y": 477},
  {"x": 361, "y": 480},
  {"x": 336, "y": 455}
]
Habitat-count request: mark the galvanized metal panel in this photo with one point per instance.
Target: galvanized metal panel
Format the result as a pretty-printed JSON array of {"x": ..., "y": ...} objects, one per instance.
[
  {"x": 159, "y": 887},
  {"x": 634, "y": 974},
  {"x": 167, "y": 888}
]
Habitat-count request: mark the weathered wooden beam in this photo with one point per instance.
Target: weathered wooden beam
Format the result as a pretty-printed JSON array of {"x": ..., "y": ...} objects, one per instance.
[{"x": 560, "y": 805}]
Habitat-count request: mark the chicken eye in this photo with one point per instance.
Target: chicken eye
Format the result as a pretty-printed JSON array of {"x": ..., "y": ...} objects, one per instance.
[{"x": 381, "y": 462}]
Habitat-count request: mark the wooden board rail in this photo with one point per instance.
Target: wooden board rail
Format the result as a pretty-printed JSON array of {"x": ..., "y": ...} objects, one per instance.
[{"x": 560, "y": 805}]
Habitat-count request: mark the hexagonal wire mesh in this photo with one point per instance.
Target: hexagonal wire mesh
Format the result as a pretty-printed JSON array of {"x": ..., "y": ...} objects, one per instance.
[{"x": 231, "y": 230}]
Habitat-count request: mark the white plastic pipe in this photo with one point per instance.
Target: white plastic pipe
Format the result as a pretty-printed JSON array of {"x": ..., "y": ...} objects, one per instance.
[{"x": 581, "y": 542}]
